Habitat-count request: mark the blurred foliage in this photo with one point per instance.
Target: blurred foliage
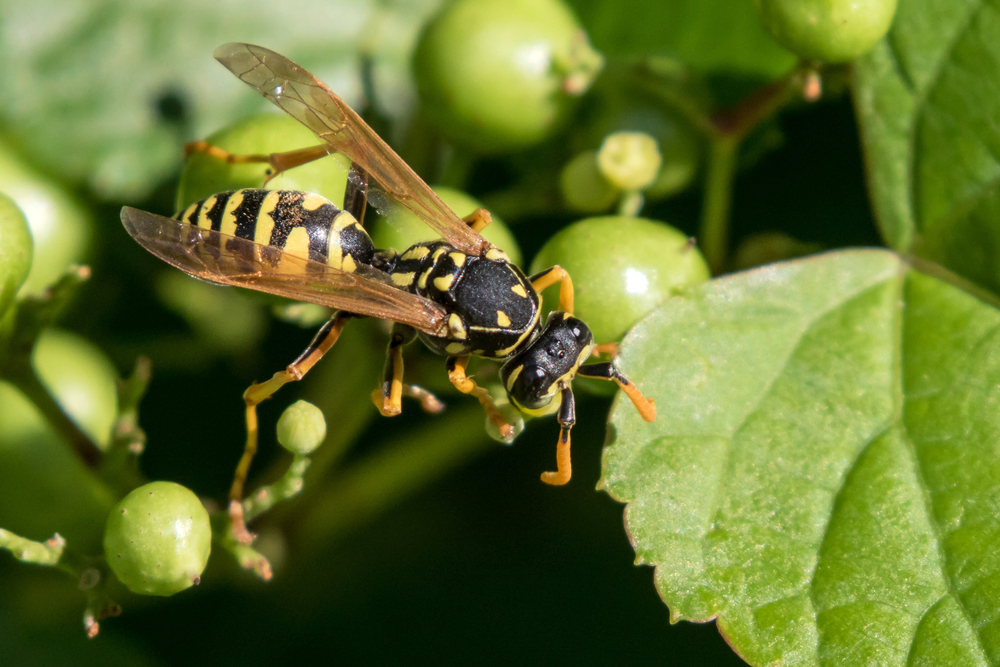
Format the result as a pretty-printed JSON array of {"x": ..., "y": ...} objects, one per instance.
[{"x": 820, "y": 475}]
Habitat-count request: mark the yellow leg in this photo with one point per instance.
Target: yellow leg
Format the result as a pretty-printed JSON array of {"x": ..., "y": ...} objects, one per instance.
[
  {"x": 388, "y": 398},
  {"x": 608, "y": 371},
  {"x": 478, "y": 219},
  {"x": 256, "y": 393},
  {"x": 279, "y": 162},
  {"x": 567, "y": 418},
  {"x": 551, "y": 276},
  {"x": 563, "y": 462},
  {"x": 610, "y": 349},
  {"x": 428, "y": 401},
  {"x": 466, "y": 385}
]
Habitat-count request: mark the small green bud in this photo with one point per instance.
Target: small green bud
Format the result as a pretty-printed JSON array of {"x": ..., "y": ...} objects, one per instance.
[
  {"x": 584, "y": 187},
  {"x": 301, "y": 428},
  {"x": 629, "y": 160}
]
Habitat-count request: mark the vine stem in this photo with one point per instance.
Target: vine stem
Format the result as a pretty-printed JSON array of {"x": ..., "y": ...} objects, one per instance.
[
  {"x": 25, "y": 380},
  {"x": 718, "y": 196},
  {"x": 727, "y": 129}
]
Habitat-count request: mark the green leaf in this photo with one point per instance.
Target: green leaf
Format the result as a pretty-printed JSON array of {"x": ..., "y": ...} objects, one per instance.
[
  {"x": 721, "y": 37},
  {"x": 823, "y": 476},
  {"x": 88, "y": 78},
  {"x": 928, "y": 98}
]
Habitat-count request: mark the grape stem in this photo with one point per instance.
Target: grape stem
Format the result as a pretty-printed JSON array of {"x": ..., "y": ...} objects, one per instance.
[
  {"x": 22, "y": 377},
  {"x": 631, "y": 203},
  {"x": 18, "y": 332},
  {"x": 718, "y": 194},
  {"x": 727, "y": 130},
  {"x": 90, "y": 574}
]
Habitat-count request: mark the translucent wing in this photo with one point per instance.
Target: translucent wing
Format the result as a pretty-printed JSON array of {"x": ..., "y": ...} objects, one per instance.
[
  {"x": 306, "y": 99},
  {"x": 229, "y": 260}
]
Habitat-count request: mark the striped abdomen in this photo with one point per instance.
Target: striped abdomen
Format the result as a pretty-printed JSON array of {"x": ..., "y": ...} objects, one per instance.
[{"x": 298, "y": 223}]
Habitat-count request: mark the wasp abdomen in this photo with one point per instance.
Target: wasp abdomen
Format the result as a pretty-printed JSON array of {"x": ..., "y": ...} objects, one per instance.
[{"x": 298, "y": 223}]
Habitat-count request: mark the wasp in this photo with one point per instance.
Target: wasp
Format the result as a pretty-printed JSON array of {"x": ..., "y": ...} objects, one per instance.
[{"x": 460, "y": 295}]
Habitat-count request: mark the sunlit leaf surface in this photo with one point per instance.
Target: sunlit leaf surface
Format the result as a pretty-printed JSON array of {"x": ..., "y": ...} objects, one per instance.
[
  {"x": 824, "y": 474},
  {"x": 928, "y": 100}
]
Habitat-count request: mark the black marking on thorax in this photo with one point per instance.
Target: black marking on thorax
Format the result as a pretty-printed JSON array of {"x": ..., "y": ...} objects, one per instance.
[{"x": 496, "y": 307}]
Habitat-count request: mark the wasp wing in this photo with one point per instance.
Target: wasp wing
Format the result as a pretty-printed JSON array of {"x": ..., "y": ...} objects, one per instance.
[
  {"x": 229, "y": 260},
  {"x": 306, "y": 99}
]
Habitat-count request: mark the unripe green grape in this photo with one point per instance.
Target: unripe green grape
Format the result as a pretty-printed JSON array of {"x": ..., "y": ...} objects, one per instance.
[
  {"x": 827, "y": 30},
  {"x": 15, "y": 251},
  {"x": 629, "y": 160},
  {"x": 158, "y": 539},
  {"x": 584, "y": 187},
  {"x": 60, "y": 228},
  {"x": 403, "y": 229},
  {"x": 498, "y": 75},
  {"x": 204, "y": 175},
  {"x": 82, "y": 380},
  {"x": 301, "y": 428},
  {"x": 622, "y": 268}
]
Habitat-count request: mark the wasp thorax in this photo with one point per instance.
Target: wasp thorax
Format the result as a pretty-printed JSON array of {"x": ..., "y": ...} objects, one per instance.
[{"x": 534, "y": 376}]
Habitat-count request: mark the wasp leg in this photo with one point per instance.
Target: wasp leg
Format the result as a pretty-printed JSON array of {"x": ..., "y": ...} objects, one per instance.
[
  {"x": 428, "y": 401},
  {"x": 355, "y": 196},
  {"x": 566, "y": 417},
  {"x": 551, "y": 276},
  {"x": 279, "y": 162},
  {"x": 388, "y": 397},
  {"x": 320, "y": 345},
  {"x": 478, "y": 219},
  {"x": 608, "y": 371},
  {"x": 466, "y": 385},
  {"x": 605, "y": 348}
]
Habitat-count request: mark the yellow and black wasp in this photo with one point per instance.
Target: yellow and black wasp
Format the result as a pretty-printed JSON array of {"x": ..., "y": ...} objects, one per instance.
[{"x": 460, "y": 295}]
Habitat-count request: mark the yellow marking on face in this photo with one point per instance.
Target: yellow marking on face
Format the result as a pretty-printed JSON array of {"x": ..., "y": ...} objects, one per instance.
[
  {"x": 343, "y": 221},
  {"x": 519, "y": 290},
  {"x": 502, "y": 319},
  {"x": 349, "y": 265},
  {"x": 443, "y": 283},
  {"x": 203, "y": 220},
  {"x": 567, "y": 378},
  {"x": 497, "y": 254},
  {"x": 457, "y": 257},
  {"x": 456, "y": 327},
  {"x": 513, "y": 377},
  {"x": 422, "y": 281},
  {"x": 547, "y": 409},
  {"x": 311, "y": 202},
  {"x": 454, "y": 348},
  {"x": 403, "y": 279},
  {"x": 417, "y": 252}
]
